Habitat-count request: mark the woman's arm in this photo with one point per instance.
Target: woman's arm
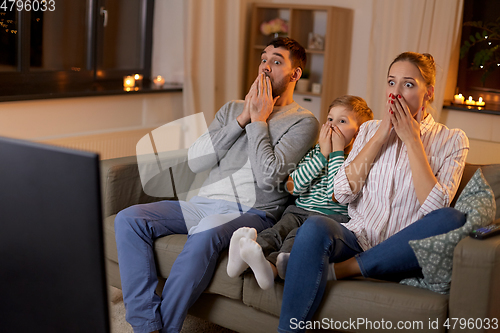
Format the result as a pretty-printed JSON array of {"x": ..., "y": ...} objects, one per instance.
[
  {"x": 422, "y": 175},
  {"x": 450, "y": 166},
  {"x": 408, "y": 130},
  {"x": 357, "y": 170}
]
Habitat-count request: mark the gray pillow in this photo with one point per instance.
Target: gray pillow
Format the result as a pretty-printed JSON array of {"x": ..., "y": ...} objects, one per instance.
[{"x": 435, "y": 254}]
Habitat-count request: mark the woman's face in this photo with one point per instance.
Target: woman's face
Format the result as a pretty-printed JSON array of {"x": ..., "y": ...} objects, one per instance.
[{"x": 405, "y": 79}]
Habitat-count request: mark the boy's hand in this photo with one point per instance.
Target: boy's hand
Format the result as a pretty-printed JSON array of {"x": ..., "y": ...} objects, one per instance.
[
  {"x": 338, "y": 140},
  {"x": 325, "y": 140},
  {"x": 262, "y": 102}
]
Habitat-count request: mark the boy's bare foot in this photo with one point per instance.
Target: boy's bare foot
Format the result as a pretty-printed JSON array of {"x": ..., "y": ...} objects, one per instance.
[
  {"x": 236, "y": 265},
  {"x": 251, "y": 253}
]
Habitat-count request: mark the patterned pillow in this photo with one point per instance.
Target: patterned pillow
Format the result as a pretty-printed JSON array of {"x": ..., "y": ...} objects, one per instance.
[{"x": 435, "y": 254}]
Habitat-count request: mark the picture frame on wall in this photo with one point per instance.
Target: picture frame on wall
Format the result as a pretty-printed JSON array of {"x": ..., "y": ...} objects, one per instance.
[{"x": 315, "y": 41}]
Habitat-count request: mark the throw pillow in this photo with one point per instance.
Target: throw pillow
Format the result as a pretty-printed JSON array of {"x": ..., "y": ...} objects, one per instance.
[
  {"x": 492, "y": 175},
  {"x": 435, "y": 254}
]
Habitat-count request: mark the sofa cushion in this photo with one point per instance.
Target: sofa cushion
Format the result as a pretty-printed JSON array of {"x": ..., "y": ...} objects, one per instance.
[
  {"x": 435, "y": 254},
  {"x": 358, "y": 298},
  {"x": 166, "y": 250}
]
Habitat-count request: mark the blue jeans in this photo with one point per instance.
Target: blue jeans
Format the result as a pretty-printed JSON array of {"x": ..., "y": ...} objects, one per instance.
[
  {"x": 320, "y": 241},
  {"x": 138, "y": 226}
]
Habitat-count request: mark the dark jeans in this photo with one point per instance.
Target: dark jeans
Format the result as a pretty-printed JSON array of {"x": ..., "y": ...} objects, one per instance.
[
  {"x": 281, "y": 236},
  {"x": 321, "y": 241}
]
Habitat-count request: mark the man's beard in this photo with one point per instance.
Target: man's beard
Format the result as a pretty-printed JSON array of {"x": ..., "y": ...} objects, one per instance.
[{"x": 278, "y": 88}]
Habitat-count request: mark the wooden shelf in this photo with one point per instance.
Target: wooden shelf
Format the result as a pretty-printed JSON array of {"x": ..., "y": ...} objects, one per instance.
[{"x": 329, "y": 66}]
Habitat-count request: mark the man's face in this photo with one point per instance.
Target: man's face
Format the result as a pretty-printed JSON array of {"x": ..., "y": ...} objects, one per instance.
[{"x": 276, "y": 64}]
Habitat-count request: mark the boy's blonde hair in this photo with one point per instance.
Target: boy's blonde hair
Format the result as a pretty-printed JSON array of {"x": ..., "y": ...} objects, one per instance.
[{"x": 356, "y": 104}]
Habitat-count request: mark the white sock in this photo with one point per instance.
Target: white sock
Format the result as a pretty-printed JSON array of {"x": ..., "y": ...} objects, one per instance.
[
  {"x": 331, "y": 272},
  {"x": 236, "y": 265},
  {"x": 251, "y": 253},
  {"x": 281, "y": 264}
]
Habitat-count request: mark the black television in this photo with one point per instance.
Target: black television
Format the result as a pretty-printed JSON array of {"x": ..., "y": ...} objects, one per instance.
[{"x": 52, "y": 273}]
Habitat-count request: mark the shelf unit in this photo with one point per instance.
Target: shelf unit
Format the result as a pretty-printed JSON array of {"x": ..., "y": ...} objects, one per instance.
[{"x": 328, "y": 66}]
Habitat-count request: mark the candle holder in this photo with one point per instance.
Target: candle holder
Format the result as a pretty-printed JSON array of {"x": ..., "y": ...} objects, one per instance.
[
  {"x": 128, "y": 82},
  {"x": 458, "y": 99},
  {"x": 158, "y": 82},
  {"x": 470, "y": 101},
  {"x": 138, "y": 80}
]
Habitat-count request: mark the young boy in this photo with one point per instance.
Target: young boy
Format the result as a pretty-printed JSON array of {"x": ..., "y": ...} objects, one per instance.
[{"x": 312, "y": 181}]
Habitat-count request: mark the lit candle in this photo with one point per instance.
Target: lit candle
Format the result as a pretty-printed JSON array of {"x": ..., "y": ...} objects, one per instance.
[
  {"x": 480, "y": 102},
  {"x": 138, "y": 80},
  {"x": 128, "y": 82},
  {"x": 159, "y": 81},
  {"x": 458, "y": 99},
  {"x": 470, "y": 101}
]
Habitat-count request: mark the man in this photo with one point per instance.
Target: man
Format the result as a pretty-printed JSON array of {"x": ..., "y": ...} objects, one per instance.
[{"x": 249, "y": 148}]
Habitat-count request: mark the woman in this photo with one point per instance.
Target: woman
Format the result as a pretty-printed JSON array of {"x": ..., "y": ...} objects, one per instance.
[{"x": 400, "y": 174}]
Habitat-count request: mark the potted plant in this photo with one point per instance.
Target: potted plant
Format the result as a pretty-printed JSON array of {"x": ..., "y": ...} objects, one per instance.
[{"x": 484, "y": 44}]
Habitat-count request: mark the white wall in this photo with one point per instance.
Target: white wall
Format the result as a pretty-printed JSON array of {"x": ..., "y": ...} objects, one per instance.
[
  {"x": 482, "y": 131},
  {"x": 57, "y": 118}
]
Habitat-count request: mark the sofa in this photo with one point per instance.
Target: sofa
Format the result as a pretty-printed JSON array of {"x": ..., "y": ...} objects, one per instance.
[{"x": 354, "y": 305}]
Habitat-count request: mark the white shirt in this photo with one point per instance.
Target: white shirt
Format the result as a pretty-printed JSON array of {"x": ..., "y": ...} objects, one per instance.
[{"x": 388, "y": 203}]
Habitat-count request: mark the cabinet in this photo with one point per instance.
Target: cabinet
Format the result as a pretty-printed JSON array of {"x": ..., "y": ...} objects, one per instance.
[{"x": 328, "y": 59}]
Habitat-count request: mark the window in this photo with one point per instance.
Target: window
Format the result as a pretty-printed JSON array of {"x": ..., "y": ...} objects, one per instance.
[
  {"x": 469, "y": 81},
  {"x": 56, "y": 46}
]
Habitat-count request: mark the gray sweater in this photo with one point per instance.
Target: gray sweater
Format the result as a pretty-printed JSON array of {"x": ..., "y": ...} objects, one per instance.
[{"x": 251, "y": 165}]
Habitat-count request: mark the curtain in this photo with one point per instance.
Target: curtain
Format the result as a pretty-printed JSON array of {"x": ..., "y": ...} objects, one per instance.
[
  {"x": 213, "y": 55},
  {"x": 424, "y": 26}
]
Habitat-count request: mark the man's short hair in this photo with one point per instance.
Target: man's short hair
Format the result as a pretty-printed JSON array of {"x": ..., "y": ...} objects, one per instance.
[{"x": 297, "y": 52}]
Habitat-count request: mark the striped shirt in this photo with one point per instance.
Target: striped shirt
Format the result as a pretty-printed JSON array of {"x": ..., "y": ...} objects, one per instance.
[
  {"x": 313, "y": 182},
  {"x": 387, "y": 203}
]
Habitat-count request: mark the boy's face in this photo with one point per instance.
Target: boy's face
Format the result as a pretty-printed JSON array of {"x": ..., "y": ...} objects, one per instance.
[
  {"x": 346, "y": 121},
  {"x": 276, "y": 64}
]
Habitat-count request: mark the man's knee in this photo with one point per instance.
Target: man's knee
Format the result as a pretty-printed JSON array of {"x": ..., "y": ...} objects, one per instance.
[
  {"x": 127, "y": 220},
  {"x": 208, "y": 239}
]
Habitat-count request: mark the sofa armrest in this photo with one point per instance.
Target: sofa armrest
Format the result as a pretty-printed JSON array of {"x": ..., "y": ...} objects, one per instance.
[
  {"x": 121, "y": 184},
  {"x": 475, "y": 282}
]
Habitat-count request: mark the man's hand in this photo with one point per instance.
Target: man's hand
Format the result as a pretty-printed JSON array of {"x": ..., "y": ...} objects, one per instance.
[
  {"x": 261, "y": 101},
  {"x": 325, "y": 140},
  {"x": 338, "y": 139},
  {"x": 244, "y": 118}
]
